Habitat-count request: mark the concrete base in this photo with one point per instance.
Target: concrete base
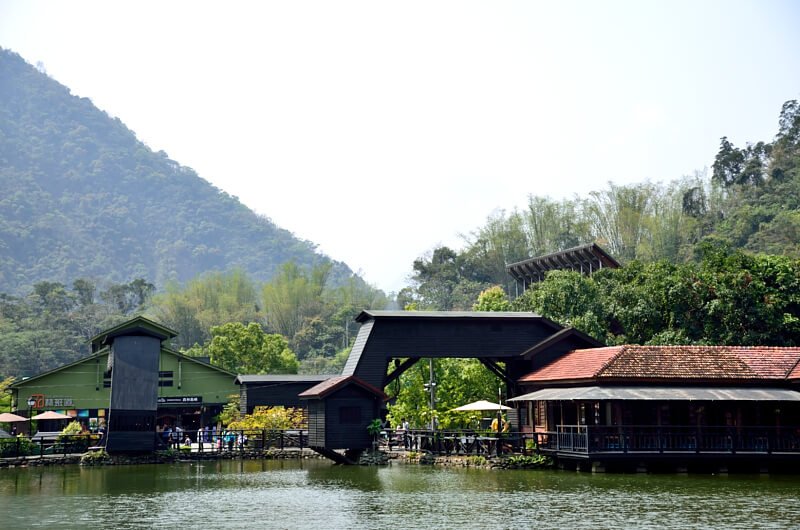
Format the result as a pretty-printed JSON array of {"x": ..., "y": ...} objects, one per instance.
[{"x": 598, "y": 467}]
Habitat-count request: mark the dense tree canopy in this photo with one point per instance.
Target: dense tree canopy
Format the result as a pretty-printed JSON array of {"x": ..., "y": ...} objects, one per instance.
[
  {"x": 52, "y": 325},
  {"x": 729, "y": 297},
  {"x": 246, "y": 349},
  {"x": 459, "y": 381}
]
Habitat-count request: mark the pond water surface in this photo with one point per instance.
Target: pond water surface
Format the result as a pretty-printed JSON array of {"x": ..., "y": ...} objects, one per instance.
[{"x": 314, "y": 494}]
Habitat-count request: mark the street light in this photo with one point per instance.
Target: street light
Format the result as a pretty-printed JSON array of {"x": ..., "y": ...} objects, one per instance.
[{"x": 31, "y": 404}]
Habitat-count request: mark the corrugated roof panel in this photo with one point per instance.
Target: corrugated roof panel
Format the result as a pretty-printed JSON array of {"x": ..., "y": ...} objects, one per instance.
[{"x": 597, "y": 393}]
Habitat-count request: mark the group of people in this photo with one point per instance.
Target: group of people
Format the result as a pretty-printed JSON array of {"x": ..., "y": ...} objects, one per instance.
[
  {"x": 173, "y": 437},
  {"x": 225, "y": 440}
]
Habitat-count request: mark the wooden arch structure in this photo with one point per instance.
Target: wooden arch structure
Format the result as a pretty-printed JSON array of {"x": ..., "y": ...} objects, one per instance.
[
  {"x": 390, "y": 342},
  {"x": 398, "y": 339}
]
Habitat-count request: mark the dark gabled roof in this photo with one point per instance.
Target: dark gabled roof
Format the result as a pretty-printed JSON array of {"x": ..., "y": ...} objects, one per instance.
[
  {"x": 674, "y": 363},
  {"x": 368, "y": 318},
  {"x": 338, "y": 382},
  {"x": 136, "y": 326},
  {"x": 559, "y": 336},
  {"x": 582, "y": 258},
  {"x": 281, "y": 378},
  {"x": 424, "y": 315}
]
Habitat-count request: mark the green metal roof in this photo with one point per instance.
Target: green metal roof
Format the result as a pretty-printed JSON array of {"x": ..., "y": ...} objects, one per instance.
[{"x": 135, "y": 326}]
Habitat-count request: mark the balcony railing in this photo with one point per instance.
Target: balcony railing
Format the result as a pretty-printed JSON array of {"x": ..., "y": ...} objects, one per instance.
[{"x": 589, "y": 439}]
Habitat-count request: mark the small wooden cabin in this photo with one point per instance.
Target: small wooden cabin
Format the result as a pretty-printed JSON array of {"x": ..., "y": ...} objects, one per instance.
[
  {"x": 339, "y": 411},
  {"x": 275, "y": 390}
]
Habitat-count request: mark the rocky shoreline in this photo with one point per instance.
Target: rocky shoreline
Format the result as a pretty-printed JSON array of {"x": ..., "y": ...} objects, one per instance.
[{"x": 367, "y": 458}]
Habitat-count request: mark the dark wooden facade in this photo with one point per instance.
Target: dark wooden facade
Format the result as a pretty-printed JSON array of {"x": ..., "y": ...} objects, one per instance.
[
  {"x": 510, "y": 338},
  {"x": 689, "y": 433},
  {"x": 685, "y": 406},
  {"x": 274, "y": 390},
  {"x": 134, "y": 368}
]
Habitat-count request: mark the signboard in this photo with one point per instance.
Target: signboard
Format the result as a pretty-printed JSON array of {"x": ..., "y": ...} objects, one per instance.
[
  {"x": 180, "y": 400},
  {"x": 49, "y": 402}
]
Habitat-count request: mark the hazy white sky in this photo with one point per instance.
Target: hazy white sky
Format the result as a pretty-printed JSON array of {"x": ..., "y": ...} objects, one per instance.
[{"x": 379, "y": 130}]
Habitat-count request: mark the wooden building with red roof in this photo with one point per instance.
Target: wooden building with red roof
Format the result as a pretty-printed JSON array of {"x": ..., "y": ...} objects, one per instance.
[
  {"x": 651, "y": 403},
  {"x": 339, "y": 409}
]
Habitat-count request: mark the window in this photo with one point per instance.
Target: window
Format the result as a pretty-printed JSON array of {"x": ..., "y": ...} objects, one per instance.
[
  {"x": 541, "y": 412},
  {"x": 167, "y": 373},
  {"x": 167, "y": 382}
]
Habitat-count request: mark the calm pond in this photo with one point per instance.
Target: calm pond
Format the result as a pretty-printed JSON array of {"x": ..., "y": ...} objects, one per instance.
[{"x": 315, "y": 494}]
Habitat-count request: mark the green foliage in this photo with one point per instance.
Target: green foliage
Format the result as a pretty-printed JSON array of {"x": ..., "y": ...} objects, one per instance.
[
  {"x": 294, "y": 295},
  {"x": 95, "y": 458},
  {"x": 17, "y": 446},
  {"x": 269, "y": 418},
  {"x": 209, "y": 300},
  {"x": 459, "y": 381},
  {"x": 248, "y": 350},
  {"x": 528, "y": 461},
  {"x": 324, "y": 365},
  {"x": 476, "y": 461},
  {"x": 492, "y": 299},
  {"x": 72, "y": 428},
  {"x": 374, "y": 427},
  {"x": 730, "y": 297},
  {"x": 231, "y": 411},
  {"x": 5, "y": 396},
  {"x": 568, "y": 297},
  {"x": 441, "y": 283},
  {"x": 51, "y": 325}
]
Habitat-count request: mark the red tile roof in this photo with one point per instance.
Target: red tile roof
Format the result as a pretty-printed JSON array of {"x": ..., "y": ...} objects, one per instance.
[
  {"x": 672, "y": 362},
  {"x": 334, "y": 383}
]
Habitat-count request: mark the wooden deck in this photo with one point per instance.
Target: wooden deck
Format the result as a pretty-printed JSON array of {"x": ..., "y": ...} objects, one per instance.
[{"x": 584, "y": 441}]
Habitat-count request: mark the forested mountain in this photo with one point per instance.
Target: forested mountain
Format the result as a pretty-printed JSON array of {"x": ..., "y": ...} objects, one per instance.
[{"x": 83, "y": 198}]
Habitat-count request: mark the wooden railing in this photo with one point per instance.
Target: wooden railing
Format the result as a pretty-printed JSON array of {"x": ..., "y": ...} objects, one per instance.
[
  {"x": 41, "y": 446},
  {"x": 457, "y": 442},
  {"x": 193, "y": 442},
  {"x": 586, "y": 439}
]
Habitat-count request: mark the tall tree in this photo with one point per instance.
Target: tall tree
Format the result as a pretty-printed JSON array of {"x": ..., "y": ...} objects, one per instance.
[
  {"x": 294, "y": 295},
  {"x": 209, "y": 300},
  {"x": 248, "y": 350}
]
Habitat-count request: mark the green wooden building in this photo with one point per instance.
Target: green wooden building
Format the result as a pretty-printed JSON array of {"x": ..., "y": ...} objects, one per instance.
[{"x": 188, "y": 391}]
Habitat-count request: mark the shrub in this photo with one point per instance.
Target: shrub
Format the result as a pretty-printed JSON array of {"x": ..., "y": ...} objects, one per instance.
[
  {"x": 270, "y": 419},
  {"x": 476, "y": 460},
  {"x": 19, "y": 446}
]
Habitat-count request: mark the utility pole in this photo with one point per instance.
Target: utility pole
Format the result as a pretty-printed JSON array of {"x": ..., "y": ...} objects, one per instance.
[{"x": 430, "y": 386}]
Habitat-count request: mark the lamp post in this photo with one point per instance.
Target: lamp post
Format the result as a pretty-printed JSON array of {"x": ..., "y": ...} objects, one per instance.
[{"x": 31, "y": 404}]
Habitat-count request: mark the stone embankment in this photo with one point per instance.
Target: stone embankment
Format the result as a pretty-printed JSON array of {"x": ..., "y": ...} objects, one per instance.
[{"x": 101, "y": 458}]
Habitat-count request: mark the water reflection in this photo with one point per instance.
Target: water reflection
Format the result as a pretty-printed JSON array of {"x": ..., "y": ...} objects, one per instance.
[{"x": 315, "y": 494}]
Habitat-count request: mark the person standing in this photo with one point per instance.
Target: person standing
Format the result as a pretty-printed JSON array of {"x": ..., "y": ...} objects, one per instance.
[{"x": 406, "y": 436}]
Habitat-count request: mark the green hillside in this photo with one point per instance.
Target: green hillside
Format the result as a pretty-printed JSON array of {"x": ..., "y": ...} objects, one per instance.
[{"x": 82, "y": 197}]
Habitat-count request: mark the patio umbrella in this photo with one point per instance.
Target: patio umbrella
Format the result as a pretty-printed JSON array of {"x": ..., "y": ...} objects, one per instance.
[
  {"x": 51, "y": 415},
  {"x": 7, "y": 417},
  {"x": 481, "y": 405}
]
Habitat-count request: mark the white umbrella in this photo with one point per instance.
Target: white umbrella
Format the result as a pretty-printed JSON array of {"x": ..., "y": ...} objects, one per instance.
[
  {"x": 8, "y": 417},
  {"x": 481, "y": 405},
  {"x": 51, "y": 415}
]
